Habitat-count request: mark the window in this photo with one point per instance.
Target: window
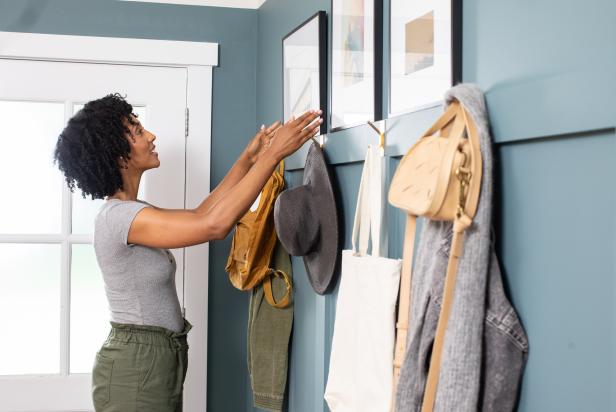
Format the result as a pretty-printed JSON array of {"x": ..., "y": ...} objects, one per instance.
[
  {"x": 30, "y": 254},
  {"x": 36, "y": 239}
]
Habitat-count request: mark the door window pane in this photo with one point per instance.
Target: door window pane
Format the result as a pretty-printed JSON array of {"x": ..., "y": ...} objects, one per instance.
[
  {"x": 28, "y": 133},
  {"x": 85, "y": 210},
  {"x": 29, "y": 309},
  {"x": 89, "y": 310}
]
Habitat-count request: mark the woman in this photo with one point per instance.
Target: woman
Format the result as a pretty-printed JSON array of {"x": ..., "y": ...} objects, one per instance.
[{"x": 104, "y": 151}]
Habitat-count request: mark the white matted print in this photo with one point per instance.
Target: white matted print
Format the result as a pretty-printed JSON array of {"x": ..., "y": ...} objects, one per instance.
[
  {"x": 421, "y": 54},
  {"x": 304, "y": 68},
  {"x": 353, "y": 65}
]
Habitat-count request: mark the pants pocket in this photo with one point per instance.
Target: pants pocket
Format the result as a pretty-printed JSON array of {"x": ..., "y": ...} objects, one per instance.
[
  {"x": 101, "y": 380},
  {"x": 159, "y": 372}
]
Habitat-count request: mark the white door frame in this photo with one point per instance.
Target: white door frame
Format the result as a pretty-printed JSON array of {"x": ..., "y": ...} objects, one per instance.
[{"x": 198, "y": 58}]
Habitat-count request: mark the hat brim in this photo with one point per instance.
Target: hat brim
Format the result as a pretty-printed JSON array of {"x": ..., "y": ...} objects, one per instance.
[{"x": 321, "y": 261}]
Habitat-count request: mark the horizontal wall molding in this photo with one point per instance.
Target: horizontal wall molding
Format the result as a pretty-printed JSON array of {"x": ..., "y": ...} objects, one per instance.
[
  {"x": 59, "y": 47},
  {"x": 350, "y": 145},
  {"x": 552, "y": 106}
]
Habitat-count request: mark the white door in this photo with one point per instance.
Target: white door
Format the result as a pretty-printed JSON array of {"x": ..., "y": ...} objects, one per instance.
[{"x": 53, "y": 310}]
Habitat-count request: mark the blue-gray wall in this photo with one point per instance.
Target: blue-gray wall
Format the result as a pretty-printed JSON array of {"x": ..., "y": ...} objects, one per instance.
[
  {"x": 548, "y": 72},
  {"x": 233, "y": 123}
]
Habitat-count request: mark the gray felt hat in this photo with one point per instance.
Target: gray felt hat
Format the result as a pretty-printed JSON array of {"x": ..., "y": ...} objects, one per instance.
[{"x": 306, "y": 220}]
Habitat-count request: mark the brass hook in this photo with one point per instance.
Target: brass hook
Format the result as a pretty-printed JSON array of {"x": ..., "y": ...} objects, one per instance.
[
  {"x": 381, "y": 136},
  {"x": 320, "y": 142}
]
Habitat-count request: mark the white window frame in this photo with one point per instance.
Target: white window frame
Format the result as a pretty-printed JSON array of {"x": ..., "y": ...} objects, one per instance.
[{"x": 198, "y": 58}]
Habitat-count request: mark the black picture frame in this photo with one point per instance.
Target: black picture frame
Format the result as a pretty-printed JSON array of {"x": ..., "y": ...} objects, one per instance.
[
  {"x": 321, "y": 43},
  {"x": 456, "y": 55},
  {"x": 377, "y": 101}
]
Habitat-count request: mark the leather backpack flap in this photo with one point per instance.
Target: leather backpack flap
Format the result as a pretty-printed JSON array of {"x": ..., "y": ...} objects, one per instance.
[
  {"x": 238, "y": 263},
  {"x": 263, "y": 241}
]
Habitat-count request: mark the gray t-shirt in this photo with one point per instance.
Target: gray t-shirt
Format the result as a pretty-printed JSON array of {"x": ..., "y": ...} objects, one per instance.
[{"x": 139, "y": 280}]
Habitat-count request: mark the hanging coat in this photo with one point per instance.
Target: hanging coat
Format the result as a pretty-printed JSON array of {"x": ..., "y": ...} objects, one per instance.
[{"x": 485, "y": 346}]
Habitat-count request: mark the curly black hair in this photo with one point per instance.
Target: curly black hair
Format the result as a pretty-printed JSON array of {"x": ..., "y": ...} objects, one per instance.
[{"x": 90, "y": 145}]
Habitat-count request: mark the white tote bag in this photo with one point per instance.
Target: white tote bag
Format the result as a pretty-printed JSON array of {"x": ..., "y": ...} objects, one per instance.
[{"x": 361, "y": 364}]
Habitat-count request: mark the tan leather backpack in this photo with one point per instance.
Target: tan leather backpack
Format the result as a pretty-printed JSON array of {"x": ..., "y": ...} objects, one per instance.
[
  {"x": 439, "y": 178},
  {"x": 253, "y": 243}
]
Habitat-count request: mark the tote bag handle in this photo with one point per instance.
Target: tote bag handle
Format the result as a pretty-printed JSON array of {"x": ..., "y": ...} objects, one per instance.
[{"x": 369, "y": 213}]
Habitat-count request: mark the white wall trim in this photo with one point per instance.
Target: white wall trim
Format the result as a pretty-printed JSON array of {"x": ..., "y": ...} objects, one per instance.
[
  {"x": 240, "y": 4},
  {"x": 90, "y": 49},
  {"x": 196, "y": 267}
]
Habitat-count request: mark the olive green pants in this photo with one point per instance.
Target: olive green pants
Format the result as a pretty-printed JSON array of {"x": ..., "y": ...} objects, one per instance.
[
  {"x": 140, "y": 368},
  {"x": 269, "y": 332}
]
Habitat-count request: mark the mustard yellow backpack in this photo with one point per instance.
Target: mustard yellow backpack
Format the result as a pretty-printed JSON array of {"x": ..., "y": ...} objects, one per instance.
[{"x": 253, "y": 243}]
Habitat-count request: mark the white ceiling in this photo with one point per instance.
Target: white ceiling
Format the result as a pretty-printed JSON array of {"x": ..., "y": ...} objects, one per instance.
[{"x": 242, "y": 4}]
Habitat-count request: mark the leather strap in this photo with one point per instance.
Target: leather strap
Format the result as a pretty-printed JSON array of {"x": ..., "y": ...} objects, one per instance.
[
  {"x": 405, "y": 300},
  {"x": 269, "y": 295},
  {"x": 459, "y": 226},
  {"x": 445, "y": 118},
  {"x": 448, "y": 296},
  {"x": 461, "y": 223},
  {"x": 407, "y": 256},
  {"x": 472, "y": 199}
]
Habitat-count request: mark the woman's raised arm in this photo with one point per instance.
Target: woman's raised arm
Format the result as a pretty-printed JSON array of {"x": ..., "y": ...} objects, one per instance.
[{"x": 164, "y": 228}]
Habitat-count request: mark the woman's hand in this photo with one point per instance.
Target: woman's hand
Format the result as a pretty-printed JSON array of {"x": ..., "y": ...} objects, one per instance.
[
  {"x": 260, "y": 141},
  {"x": 293, "y": 134},
  {"x": 168, "y": 228}
]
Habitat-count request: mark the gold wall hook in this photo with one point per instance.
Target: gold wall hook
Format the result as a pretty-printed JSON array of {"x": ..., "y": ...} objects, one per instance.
[
  {"x": 381, "y": 136},
  {"x": 320, "y": 142}
]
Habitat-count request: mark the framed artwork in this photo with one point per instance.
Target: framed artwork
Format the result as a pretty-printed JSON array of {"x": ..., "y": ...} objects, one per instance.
[
  {"x": 304, "y": 73},
  {"x": 357, "y": 69},
  {"x": 425, "y": 40}
]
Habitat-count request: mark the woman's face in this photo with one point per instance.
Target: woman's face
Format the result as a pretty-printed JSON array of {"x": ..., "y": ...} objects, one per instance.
[{"x": 143, "y": 155}]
